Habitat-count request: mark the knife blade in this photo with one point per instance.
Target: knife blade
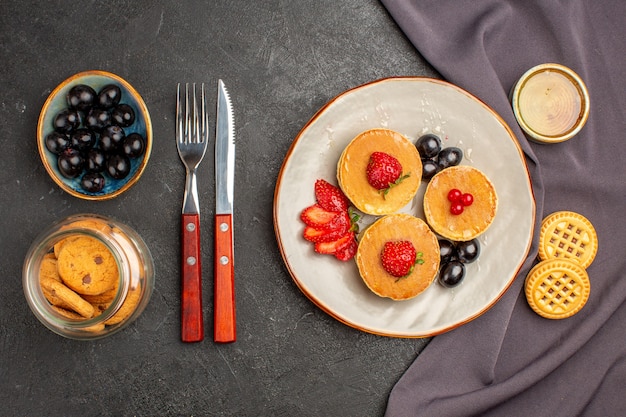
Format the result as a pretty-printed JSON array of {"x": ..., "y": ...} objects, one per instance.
[{"x": 224, "y": 288}]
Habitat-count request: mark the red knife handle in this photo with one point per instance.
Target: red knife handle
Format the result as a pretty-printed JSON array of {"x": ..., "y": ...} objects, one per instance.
[
  {"x": 191, "y": 298},
  {"x": 224, "y": 297}
]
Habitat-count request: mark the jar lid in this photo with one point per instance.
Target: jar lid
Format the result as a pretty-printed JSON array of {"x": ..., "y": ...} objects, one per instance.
[{"x": 551, "y": 103}]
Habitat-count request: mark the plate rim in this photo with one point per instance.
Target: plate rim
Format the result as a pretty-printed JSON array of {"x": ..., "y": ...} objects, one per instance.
[{"x": 381, "y": 332}]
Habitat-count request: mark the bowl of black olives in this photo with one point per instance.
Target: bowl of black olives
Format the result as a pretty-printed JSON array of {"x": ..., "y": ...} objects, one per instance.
[{"x": 94, "y": 135}]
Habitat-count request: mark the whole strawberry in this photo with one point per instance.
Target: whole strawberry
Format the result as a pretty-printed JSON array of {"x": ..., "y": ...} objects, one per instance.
[
  {"x": 398, "y": 258},
  {"x": 384, "y": 171}
]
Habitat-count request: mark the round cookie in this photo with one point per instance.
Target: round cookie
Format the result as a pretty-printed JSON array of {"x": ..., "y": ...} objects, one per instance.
[
  {"x": 48, "y": 267},
  {"x": 127, "y": 308},
  {"x": 352, "y": 177},
  {"x": 569, "y": 235},
  {"x": 476, "y": 218},
  {"x": 87, "y": 266},
  {"x": 398, "y": 227},
  {"x": 68, "y": 314},
  {"x": 68, "y": 298},
  {"x": 48, "y": 271},
  {"x": 104, "y": 298},
  {"x": 57, "y": 246},
  {"x": 557, "y": 288}
]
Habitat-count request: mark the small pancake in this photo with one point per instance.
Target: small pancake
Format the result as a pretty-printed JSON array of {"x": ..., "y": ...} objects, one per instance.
[
  {"x": 352, "y": 177},
  {"x": 398, "y": 227},
  {"x": 476, "y": 218}
]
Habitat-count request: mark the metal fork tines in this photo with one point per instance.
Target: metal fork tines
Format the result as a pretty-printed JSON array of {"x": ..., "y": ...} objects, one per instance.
[
  {"x": 192, "y": 127},
  {"x": 191, "y": 138}
]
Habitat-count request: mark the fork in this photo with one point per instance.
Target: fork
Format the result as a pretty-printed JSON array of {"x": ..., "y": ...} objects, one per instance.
[{"x": 192, "y": 127}]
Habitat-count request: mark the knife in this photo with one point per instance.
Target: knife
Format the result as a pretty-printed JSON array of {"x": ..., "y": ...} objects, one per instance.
[{"x": 224, "y": 288}]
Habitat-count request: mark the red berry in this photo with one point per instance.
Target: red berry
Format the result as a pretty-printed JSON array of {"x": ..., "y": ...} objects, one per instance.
[
  {"x": 383, "y": 170},
  {"x": 398, "y": 258},
  {"x": 330, "y": 197},
  {"x": 454, "y": 195},
  {"x": 456, "y": 208},
  {"x": 467, "y": 199},
  {"x": 317, "y": 217},
  {"x": 333, "y": 246},
  {"x": 346, "y": 253}
]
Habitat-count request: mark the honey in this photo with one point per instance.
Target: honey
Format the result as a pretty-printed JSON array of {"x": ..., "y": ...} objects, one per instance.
[{"x": 551, "y": 103}]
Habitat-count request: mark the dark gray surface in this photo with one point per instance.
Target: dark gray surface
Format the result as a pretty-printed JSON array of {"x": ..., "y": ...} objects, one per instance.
[{"x": 281, "y": 61}]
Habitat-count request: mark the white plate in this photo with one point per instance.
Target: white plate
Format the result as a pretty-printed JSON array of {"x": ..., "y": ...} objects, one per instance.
[{"x": 412, "y": 106}]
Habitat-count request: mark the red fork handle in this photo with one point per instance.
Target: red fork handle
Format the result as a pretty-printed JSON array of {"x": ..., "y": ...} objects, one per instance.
[
  {"x": 191, "y": 298},
  {"x": 224, "y": 297}
]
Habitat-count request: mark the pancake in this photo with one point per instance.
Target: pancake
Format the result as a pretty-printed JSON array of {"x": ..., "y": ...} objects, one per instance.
[
  {"x": 352, "y": 177},
  {"x": 398, "y": 227},
  {"x": 476, "y": 218}
]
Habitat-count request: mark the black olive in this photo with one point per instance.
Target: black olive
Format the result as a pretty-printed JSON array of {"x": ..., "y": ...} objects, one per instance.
[
  {"x": 97, "y": 119},
  {"x": 452, "y": 274},
  {"x": 111, "y": 138},
  {"x": 70, "y": 163},
  {"x": 81, "y": 97},
  {"x": 449, "y": 157},
  {"x": 92, "y": 182},
  {"x": 66, "y": 121},
  {"x": 123, "y": 115},
  {"x": 83, "y": 139},
  {"x": 134, "y": 145},
  {"x": 57, "y": 142},
  {"x": 109, "y": 96},
  {"x": 447, "y": 251},
  {"x": 468, "y": 252},
  {"x": 429, "y": 169},
  {"x": 96, "y": 160},
  {"x": 428, "y": 145},
  {"x": 118, "y": 166}
]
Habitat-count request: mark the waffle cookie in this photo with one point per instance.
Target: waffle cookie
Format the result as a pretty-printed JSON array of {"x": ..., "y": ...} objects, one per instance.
[
  {"x": 398, "y": 227},
  {"x": 569, "y": 235},
  {"x": 557, "y": 288},
  {"x": 352, "y": 166},
  {"x": 475, "y": 219}
]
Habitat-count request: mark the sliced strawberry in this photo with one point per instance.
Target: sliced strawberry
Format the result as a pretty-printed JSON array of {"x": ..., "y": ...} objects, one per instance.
[
  {"x": 333, "y": 246},
  {"x": 341, "y": 223},
  {"x": 319, "y": 235},
  {"x": 317, "y": 217},
  {"x": 346, "y": 253},
  {"x": 331, "y": 198}
]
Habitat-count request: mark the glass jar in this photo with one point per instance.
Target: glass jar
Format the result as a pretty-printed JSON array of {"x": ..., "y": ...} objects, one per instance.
[
  {"x": 83, "y": 300},
  {"x": 550, "y": 103}
]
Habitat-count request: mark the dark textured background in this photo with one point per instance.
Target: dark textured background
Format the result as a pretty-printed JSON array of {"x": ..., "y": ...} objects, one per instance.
[{"x": 281, "y": 61}]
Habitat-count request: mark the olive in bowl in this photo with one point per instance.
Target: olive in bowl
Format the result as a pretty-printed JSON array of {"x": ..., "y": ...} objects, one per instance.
[{"x": 81, "y": 141}]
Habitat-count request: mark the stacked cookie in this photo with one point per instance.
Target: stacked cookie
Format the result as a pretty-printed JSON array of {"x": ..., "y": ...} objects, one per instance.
[
  {"x": 558, "y": 286},
  {"x": 80, "y": 279}
]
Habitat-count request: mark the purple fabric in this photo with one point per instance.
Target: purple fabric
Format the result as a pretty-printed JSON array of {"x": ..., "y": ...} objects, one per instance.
[{"x": 511, "y": 362}]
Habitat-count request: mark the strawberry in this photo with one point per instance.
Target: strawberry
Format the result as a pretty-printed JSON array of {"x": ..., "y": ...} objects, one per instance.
[
  {"x": 334, "y": 246},
  {"x": 341, "y": 223},
  {"x": 331, "y": 198},
  {"x": 330, "y": 223},
  {"x": 320, "y": 235},
  {"x": 346, "y": 253},
  {"x": 398, "y": 258},
  {"x": 384, "y": 171},
  {"x": 317, "y": 217}
]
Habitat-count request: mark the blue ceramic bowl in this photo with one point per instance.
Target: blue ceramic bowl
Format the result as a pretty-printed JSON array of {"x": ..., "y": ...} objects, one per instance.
[{"x": 57, "y": 101}]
